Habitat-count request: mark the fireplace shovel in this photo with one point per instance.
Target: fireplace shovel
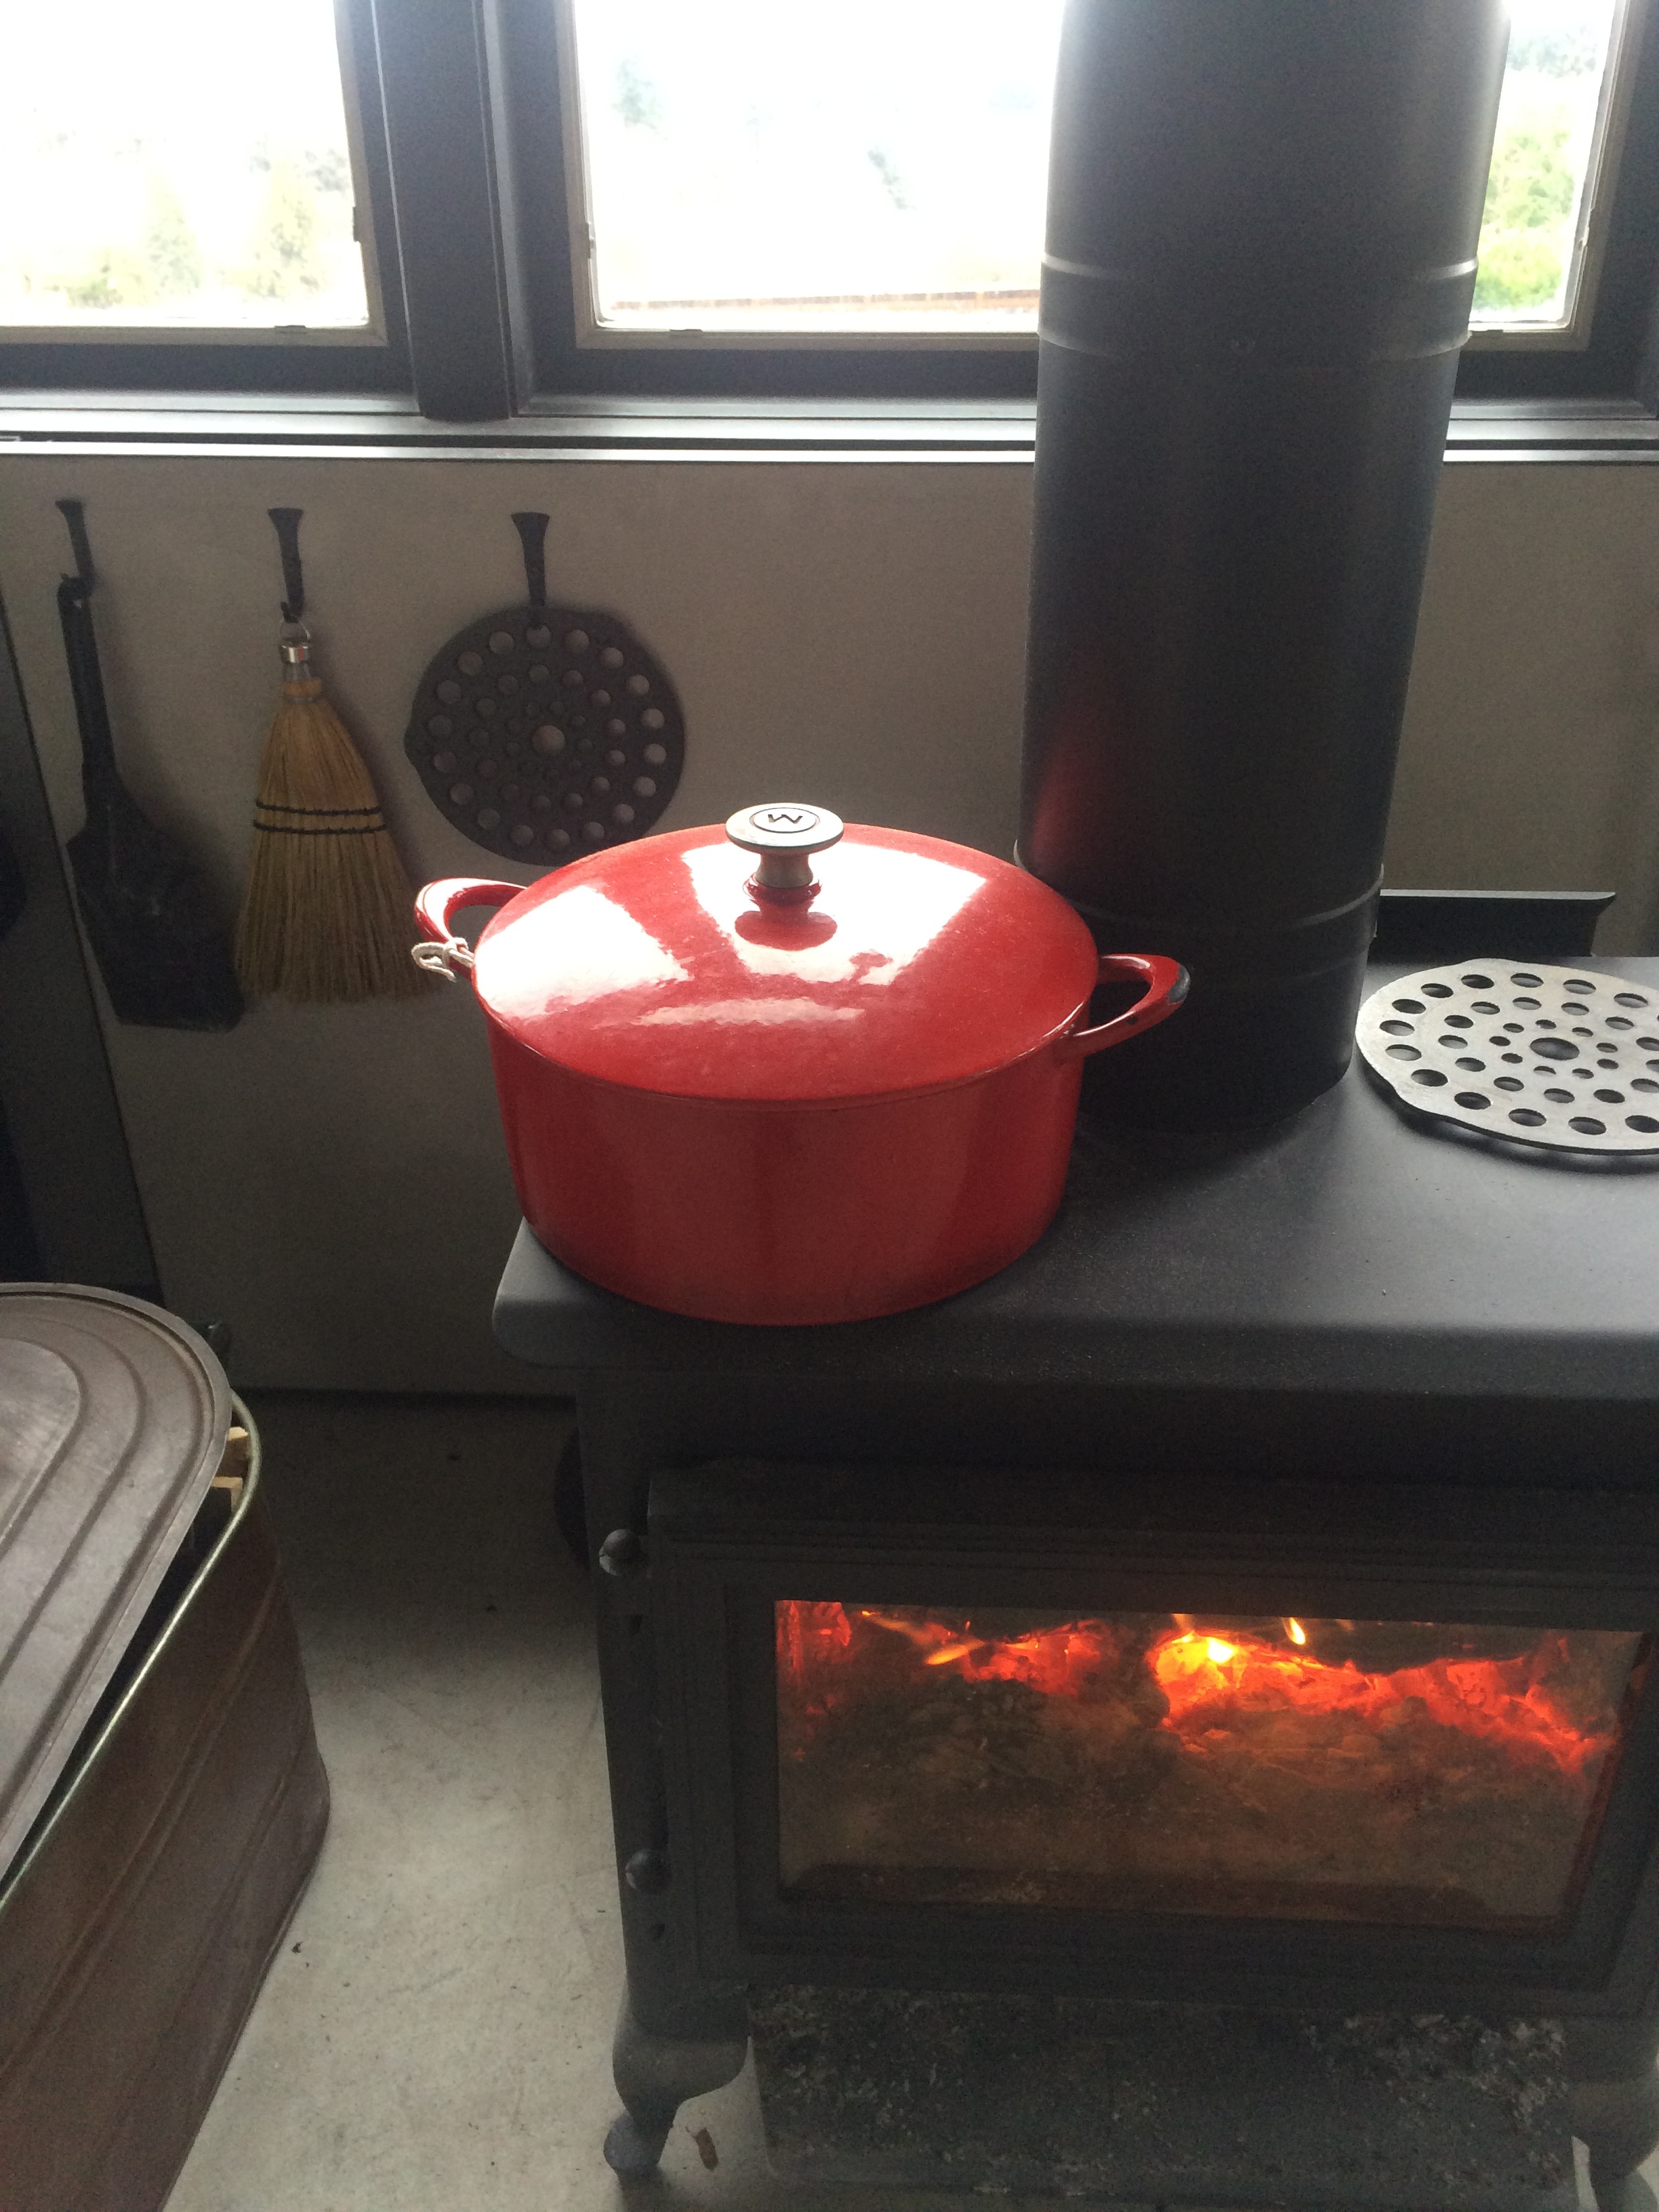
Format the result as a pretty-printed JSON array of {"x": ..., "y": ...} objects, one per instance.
[{"x": 148, "y": 916}]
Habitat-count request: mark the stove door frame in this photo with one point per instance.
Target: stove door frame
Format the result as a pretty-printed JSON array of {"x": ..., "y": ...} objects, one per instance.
[{"x": 727, "y": 1540}]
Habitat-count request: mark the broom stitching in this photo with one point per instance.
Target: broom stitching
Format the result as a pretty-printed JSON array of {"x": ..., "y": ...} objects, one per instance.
[
  {"x": 288, "y": 829},
  {"x": 281, "y": 806}
]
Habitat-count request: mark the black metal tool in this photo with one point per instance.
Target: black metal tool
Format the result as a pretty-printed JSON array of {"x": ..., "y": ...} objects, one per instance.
[
  {"x": 154, "y": 930},
  {"x": 543, "y": 732}
]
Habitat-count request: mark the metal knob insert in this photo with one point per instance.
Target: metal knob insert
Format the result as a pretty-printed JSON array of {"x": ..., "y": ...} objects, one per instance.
[
  {"x": 785, "y": 835},
  {"x": 623, "y": 1553}
]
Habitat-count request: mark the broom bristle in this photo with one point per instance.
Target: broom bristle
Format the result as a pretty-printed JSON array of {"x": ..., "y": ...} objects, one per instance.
[{"x": 328, "y": 914}]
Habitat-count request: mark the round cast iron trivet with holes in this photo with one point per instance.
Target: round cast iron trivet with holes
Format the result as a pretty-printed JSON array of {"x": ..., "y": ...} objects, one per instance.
[
  {"x": 544, "y": 732},
  {"x": 1556, "y": 1057}
]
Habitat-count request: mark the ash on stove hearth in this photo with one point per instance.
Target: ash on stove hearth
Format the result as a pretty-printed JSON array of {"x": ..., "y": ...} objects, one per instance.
[{"x": 1172, "y": 2104}]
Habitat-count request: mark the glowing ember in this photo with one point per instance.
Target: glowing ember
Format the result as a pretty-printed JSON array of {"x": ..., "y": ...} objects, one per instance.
[
  {"x": 1054, "y": 1659},
  {"x": 1204, "y": 1680},
  {"x": 1391, "y": 1772},
  {"x": 1212, "y": 1681}
]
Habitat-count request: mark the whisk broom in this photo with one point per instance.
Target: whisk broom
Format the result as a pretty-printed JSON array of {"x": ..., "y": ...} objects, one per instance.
[{"x": 327, "y": 913}]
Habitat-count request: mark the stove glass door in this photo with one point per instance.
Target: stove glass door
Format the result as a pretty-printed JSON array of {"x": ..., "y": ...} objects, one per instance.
[{"x": 1400, "y": 1772}]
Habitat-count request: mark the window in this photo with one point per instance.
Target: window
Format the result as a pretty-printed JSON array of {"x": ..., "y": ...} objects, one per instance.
[
  {"x": 741, "y": 168},
  {"x": 180, "y": 181},
  {"x": 189, "y": 196},
  {"x": 748, "y": 168},
  {"x": 676, "y": 120},
  {"x": 1560, "y": 129},
  {"x": 1570, "y": 246},
  {"x": 504, "y": 204}
]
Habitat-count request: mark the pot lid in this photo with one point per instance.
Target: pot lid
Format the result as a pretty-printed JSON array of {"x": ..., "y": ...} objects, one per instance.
[
  {"x": 115, "y": 1418},
  {"x": 678, "y": 965}
]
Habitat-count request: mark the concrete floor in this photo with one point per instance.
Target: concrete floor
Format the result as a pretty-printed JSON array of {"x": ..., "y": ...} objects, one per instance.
[{"x": 434, "y": 2034}]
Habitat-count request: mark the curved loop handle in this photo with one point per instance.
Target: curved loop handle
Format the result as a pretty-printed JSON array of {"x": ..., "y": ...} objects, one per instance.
[
  {"x": 1166, "y": 982},
  {"x": 440, "y": 952}
]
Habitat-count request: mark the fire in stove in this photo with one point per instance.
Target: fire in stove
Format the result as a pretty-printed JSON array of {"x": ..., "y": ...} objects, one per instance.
[{"x": 1400, "y": 1772}]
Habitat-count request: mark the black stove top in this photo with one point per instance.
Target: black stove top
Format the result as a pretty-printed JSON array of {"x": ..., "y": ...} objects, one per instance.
[{"x": 1343, "y": 1251}]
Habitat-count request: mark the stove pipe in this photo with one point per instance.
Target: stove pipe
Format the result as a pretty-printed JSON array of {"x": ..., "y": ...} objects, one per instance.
[{"x": 1262, "y": 223}]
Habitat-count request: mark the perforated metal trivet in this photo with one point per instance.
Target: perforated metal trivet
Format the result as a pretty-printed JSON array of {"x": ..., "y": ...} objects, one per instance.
[
  {"x": 1553, "y": 1057},
  {"x": 543, "y": 732}
]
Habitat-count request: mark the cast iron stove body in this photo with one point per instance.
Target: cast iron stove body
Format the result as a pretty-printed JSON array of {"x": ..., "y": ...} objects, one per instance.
[{"x": 1246, "y": 1598}]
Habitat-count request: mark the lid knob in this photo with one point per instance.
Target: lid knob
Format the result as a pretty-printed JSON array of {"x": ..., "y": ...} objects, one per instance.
[{"x": 786, "y": 835}]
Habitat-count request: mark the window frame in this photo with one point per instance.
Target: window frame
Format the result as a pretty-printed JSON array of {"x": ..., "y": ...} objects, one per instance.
[{"x": 460, "y": 112}]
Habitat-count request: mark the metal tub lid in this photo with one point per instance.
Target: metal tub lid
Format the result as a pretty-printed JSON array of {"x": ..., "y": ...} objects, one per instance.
[{"x": 113, "y": 1418}]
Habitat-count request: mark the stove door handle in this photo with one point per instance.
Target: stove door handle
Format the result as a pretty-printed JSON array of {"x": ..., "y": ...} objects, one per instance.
[{"x": 1166, "y": 982}]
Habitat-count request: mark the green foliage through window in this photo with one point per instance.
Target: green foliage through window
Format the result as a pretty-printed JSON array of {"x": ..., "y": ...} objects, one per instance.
[
  {"x": 285, "y": 261},
  {"x": 1525, "y": 235}
]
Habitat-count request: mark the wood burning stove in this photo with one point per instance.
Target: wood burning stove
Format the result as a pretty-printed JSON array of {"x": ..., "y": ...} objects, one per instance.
[{"x": 1248, "y": 1598}]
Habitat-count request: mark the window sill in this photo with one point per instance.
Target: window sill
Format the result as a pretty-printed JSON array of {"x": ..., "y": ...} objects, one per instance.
[
  {"x": 385, "y": 424},
  {"x": 1552, "y": 430}
]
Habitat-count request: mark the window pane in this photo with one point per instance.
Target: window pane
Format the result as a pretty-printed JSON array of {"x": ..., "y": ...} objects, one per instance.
[
  {"x": 1541, "y": 160},
  {"x": 883, "y": 164},
  {"x": 182, "y": 164}
]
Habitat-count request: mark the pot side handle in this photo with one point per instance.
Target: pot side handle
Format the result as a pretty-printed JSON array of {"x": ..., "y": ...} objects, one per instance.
[
  {"x": 440, "y": 952},
  {"x": 1166, "y": 982}
]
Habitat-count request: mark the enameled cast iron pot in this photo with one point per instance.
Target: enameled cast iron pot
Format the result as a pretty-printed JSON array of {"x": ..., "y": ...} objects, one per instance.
[{"x": 748, "y": 1095}]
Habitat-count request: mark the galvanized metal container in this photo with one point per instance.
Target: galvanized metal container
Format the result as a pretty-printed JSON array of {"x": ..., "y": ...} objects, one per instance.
[
  {"x": 115, "y": 1418},
  {"x": 179, "y": 1798}
]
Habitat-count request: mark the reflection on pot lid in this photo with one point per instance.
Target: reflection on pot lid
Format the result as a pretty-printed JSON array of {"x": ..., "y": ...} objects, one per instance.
[{"x": 914, "y": 964}]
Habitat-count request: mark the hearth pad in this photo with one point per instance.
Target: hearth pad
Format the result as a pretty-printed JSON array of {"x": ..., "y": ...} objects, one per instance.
[{"x": 1553, "y": 1058}]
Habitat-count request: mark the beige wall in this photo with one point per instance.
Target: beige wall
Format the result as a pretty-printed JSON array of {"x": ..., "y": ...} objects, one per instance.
[
  {"x": 1531, "y": 752},
  {"x": 331, "y": 1179}
]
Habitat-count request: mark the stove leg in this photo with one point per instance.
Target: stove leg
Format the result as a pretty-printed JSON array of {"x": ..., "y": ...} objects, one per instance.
[
  {"x": 1632, "y": 2194},
  {"x": 655, "y": 2073},
  {"x": 1618, "y": 2123},
  {"x": 633, "y": 2145}
]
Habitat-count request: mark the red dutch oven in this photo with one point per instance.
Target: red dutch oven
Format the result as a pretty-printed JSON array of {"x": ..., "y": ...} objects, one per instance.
[{"x": 748, "y": 1095}]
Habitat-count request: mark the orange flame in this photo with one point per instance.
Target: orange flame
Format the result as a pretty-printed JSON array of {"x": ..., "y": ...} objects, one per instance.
[{"x": 1496, "y": 1698}]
